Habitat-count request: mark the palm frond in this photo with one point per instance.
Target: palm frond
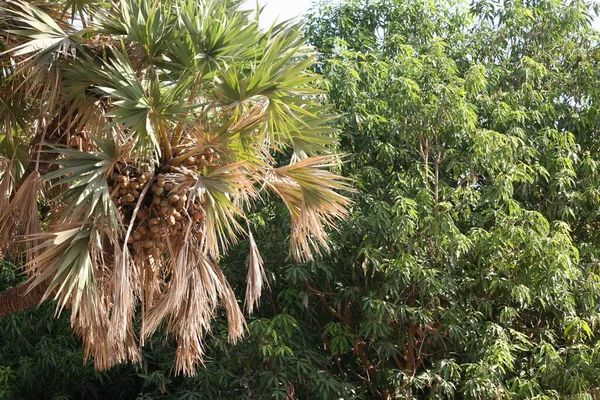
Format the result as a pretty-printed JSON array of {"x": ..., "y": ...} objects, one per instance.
[
  {"x": 85, "y": 173},
  {"x": 224, "y": 190},
  {"x": 20, "y": 216},
  {"x": 256, "y": 275},
  {"x": 308, "y": 189},
  {"x": 196, "y": 288}
]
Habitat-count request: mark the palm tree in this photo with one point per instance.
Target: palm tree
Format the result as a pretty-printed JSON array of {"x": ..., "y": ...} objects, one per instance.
[{"x": 135, "y": 139}]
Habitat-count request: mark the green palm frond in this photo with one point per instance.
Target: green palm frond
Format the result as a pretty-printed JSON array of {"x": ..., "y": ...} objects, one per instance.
[
  {"x": 224, "y": 191},
  {"x": 47, "y": 39},
  {"x": 149, "y": 23},
  {"x": 66, "y": 261},
  {"x": 132, "y": 104},
  {"x": 88, "y": 195}
]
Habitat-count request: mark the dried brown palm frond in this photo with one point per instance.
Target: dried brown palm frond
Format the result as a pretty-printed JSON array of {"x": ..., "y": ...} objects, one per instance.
[
  {"x": 19, "y": 218},
  {"x": 308, "y": 189},
  {"x": 256, "y": 275}
]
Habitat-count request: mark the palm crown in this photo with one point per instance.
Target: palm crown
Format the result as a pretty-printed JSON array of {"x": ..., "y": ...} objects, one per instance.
[{"x": 147, "y": 129}]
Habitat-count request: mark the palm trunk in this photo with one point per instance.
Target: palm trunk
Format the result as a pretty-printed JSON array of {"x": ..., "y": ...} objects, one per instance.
[{"x": 20, "y": 297}]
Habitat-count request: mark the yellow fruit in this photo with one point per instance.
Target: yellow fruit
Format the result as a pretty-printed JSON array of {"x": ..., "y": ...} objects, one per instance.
[
  {"x": 158, "y": 190},
  {"x": 154, "y": 221},
  {"x": 174, "y": 198},
  {"x": 128, "y": 198},
  {"x": 171, "y": 220}
]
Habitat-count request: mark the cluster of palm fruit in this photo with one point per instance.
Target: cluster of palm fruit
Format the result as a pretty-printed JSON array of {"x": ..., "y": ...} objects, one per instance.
[{"x": 165, "y": 210}]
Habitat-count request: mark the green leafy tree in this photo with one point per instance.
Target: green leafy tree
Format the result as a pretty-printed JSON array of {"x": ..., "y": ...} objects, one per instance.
[
  {"x": 470, "y": 266},
  {"x": 136, "y": 136}
]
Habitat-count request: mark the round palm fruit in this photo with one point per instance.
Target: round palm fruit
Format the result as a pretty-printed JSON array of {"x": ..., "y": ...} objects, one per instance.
[
  {"x": 123, "y": 191},
  {"x": 125, "y": 183},
  {"x": 156, "y": 236},
  {"x": 154, "y": 221},
  {"x": 178, "y": 226},
  {"x": 137, "y": 245},
  {"x": 158, "y": 190},
  {"x": 171, "y": 210},
  {"x": 181, "y": 204},
  {"x": 135, "y": 193},
  {"x": 164, "y": 211},
  {"x": 164, "y": 203},
  {"x": 177, "y": 216},
  {"x": 160, "y": 245},
  {"x": 141, "y": 214},
  {"x": 160, "y": 181},
  {"x": 143, "y": 230},
  {"x": 128, "y": 198},
  {"x": 155, "y": 229},
  {"x": 137, "y": 235},
  {"x": 148, "y": 244},
  {"x": 156, "y": 200},
  {"x": 130, "y": 239},
  {"x": 169, "y": 186},
  {"x": 134, "y": 185},
  {"x": 171, "y": 220},
  {"x": 174, "y": 198}
]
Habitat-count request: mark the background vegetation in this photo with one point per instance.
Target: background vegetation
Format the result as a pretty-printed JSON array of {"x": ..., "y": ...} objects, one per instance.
[{"x": 469, "y": 267}]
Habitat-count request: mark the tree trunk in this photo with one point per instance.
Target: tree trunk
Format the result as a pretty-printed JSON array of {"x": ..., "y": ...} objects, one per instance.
[{"x": 18, "y": 298}]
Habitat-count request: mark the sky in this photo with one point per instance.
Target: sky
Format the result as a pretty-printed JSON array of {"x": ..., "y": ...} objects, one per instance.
[{"x": 279, "y": 10}]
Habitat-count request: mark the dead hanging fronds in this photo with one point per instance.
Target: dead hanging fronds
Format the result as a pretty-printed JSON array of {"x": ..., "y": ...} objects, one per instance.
[
  {"x": 310, "y": 192},
  {"x": 256, "y": 275},
  {"x": 196, "y": 288},
  {"x": 20, "y": 218}
]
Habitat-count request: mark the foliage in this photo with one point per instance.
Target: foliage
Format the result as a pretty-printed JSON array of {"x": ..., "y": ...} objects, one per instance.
[{"x": 468, "y": 267}]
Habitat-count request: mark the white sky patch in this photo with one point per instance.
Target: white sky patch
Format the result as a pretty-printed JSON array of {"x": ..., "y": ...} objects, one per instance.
[{"x": 279, "y": 10}]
